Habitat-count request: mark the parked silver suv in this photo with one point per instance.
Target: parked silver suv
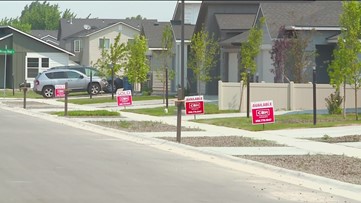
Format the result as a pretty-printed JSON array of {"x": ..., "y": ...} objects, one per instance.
[{"x": 45, "y": 82}]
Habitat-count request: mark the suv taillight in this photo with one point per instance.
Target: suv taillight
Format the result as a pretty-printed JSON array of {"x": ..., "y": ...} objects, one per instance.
[{"x": 36, "y": 82}]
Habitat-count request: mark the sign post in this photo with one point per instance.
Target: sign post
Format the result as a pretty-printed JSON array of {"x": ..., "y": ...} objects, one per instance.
[
  {"x": 59, "y": 90},
  {"x": 262, "y": 112},
  {"x": 194, "y": 105},
  {"x": 124, "y": 98},
  {"x": 5, "y": 52}
]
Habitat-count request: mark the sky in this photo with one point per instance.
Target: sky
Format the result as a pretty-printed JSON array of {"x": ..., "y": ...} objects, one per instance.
[{"x": 160, "y": 10}]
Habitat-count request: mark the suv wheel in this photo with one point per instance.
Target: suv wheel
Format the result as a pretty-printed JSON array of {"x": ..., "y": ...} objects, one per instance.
[
  {"x": 94, "y": 88},
  {"x": 48, "y": 92}
]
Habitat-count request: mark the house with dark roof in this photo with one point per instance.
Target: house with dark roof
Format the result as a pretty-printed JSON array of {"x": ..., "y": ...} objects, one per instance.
[
  {"x": 153, "y": 31},
  {"x": 230, "y": 22},
  {"x": 86, "y": 37},
  {"x": 32, "y": 56},
  {"x": 50, "y": 36}
]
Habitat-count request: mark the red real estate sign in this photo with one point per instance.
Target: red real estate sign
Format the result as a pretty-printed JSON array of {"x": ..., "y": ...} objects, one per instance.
[
  {"x": 124, "y": 98},
  {"x": 194, "y": 105},
  {"x": 262, "y": 112},
  {"x": 59, "y": 90}
]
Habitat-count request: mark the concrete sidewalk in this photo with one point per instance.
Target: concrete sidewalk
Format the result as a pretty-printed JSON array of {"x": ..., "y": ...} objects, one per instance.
[{"x": 293, "y": 139}]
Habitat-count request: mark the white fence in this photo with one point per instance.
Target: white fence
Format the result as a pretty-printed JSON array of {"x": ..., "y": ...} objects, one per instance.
[{"x": 285, "y": 96}]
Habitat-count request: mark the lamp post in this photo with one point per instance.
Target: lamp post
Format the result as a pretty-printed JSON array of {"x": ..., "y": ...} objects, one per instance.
[
  {"x": 314, "y": 94},
  {"x": 181, "y": 89}
]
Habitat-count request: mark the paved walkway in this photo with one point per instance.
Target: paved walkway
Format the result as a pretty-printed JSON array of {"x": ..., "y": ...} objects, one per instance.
[{"x": 294, "y": 139}]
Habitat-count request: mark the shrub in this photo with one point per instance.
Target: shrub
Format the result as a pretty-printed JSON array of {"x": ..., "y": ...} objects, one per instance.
[{"x": 333, "y": 103}]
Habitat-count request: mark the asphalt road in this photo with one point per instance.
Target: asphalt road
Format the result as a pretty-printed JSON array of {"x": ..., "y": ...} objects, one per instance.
[{"x": 42, "y": 161}]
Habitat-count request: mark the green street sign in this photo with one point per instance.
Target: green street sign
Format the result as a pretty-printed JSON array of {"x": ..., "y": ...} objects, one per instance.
[{"x": 7, "y": 51}]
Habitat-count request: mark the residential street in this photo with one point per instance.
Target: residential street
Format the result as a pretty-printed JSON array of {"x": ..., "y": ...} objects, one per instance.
[{"x": 43, "y": 161}]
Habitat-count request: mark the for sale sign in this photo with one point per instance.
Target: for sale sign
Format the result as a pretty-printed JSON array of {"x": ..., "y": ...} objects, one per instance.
[
  {"x": 59, "y": 90},
  {"x": 262, "y": 112},
  {"x": 194, "y": 105},
  {"x": 124, "y": 98}
]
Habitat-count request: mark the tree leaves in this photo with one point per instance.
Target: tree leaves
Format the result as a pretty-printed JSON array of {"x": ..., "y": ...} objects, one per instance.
[
  {"x": 203, "y": 51},
  {"x": 250, "y": 49},
  {"x": 137, "y": 67}
]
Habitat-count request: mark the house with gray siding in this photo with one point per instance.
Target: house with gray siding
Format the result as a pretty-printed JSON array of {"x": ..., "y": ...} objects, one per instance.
[
  {"x": 32, "y": 56},
  {"x": 86, "y": 37},
  {"x": 153, "y": 32},
  {"x": 230, "y": 22}
]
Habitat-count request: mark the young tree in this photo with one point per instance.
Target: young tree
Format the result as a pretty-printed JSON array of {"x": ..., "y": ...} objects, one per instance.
[
  {"x": 203, "y": 51},
  {"x": 298, "y": 58},
  {"x": 166, "y": 57},
  {"x": 249, "y": 52},
  {"x": 346, "y": 66},
  {"x": 250, "y": 49},
  {"x": 116, "y": 56},
  {"x": 337, "y": 69},
  {"x": 279, "y": 56},
  {"x": 137, "y": 67}
]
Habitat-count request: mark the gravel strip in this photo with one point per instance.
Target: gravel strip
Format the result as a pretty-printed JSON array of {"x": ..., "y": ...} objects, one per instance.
[
  {"x": 141, "y": 126},
  {"x": 347, "y": 138},
  {"x": 223, "y": 141},
  {"x": 346, "y": 169}
]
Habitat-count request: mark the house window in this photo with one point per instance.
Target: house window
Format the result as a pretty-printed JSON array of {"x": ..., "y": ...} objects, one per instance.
[
  {"x": 130, "y": 41},
  {"x": 104, "y": 43},
  {"x": 45, "y": 62},
  {"x": 33, "y": 67},
  {"x": 77, "y": 45}
]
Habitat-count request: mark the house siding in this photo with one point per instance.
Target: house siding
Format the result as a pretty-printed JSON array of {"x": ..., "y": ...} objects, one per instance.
[
  {"x": 16, "y": 64},
  {"x": 212, "y": 27},
  {"x": 94, "y": 52}
]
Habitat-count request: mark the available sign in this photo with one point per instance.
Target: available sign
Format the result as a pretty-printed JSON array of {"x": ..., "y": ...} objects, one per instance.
[
  {"x": 124, "y": 98},
  {"x": 194, "y": 105},
  {"x": 262, "y": 112},
  {"x": 59, "y": 90}
]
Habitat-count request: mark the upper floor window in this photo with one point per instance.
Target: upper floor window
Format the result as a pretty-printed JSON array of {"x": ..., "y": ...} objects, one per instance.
[
  {"x": 77, "y": 45},
  {"x": 33, "y": 62},
  {"x": 104, "y": 43},
  {"x": 45, "y": 62}
]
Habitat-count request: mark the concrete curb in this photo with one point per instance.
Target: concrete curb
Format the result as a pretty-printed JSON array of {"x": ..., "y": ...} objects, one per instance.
[{"x": 314, "y": 182}]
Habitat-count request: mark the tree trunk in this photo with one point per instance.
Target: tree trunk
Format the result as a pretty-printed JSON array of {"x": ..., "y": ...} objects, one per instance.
[
  {"x": 356, "y": 111},
  {"x": 241, "y": 84},
  {"x": 344, "y": 99},
  {"x": 199, "y": 86}
]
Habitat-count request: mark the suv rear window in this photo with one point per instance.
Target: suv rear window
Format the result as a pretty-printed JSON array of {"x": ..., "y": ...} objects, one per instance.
[
  {"x": 56, "y": 75},
  {"x": 72, "y": 74}
]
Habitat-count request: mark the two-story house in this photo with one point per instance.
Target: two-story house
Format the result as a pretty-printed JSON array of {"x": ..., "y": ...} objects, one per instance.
[
  {"x": 230, "y": 22},
  {"x": 86, "y": 37}
]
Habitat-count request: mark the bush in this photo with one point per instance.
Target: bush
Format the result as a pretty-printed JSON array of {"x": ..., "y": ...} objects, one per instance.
[{"x": 333, "y": 103}]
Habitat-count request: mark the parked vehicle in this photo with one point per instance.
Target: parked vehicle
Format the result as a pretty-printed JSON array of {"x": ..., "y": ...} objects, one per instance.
[
  {"x": 45, "y": 82},
  {"x": 83, "y": 69},
  {"x": 118, "y": 83}
]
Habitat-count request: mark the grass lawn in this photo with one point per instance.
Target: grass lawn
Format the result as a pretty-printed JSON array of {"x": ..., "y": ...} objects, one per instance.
[
  {"x": 19, "y": 94},
  {"x": 97, "y": 100},
  {"x": 284, "y": 122},
  {"x": 88, "y": 113},
  {"x": 159, "y": 111}
]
